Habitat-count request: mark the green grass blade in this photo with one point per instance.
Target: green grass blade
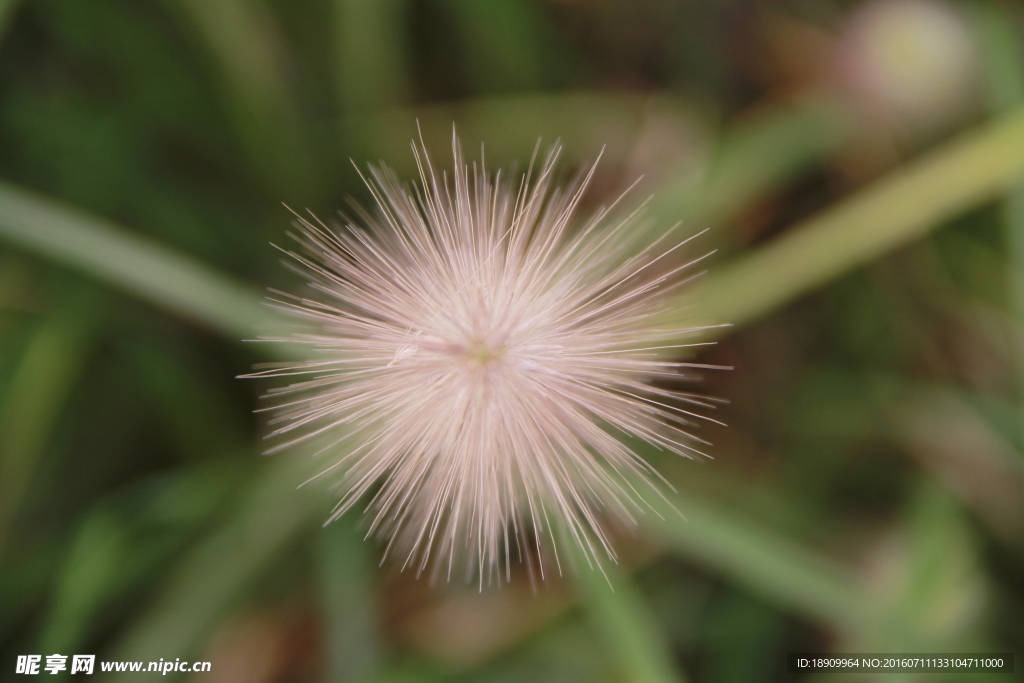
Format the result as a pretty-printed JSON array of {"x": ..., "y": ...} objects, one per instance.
[
  {"x": 367, "y": 76},
  {"x": 346, "y": 582},
  {"x": 251, "y": 53},
  {"x": 765, "y": 562},
  {"x": 624, "y": 624},
  {"x": 35, "y": 395},
  {"x": 123, "y": 541},
  {"x": 997, "y": 30},
  {"x": 1001, "y": 37},
  {"x": 215, "y": 574},
  {"x": 135, "y": 264},
  {"x": 503, "y": 41},
  {"x": 753, "y": 157},
  {"x": 890, "y": 213},
  {"x": 7, "y": 10},
  {"x": 958, "y": 441}
]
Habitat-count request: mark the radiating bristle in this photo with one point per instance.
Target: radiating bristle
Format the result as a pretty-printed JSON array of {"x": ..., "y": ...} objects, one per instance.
[{"x": 485, "y": 354}]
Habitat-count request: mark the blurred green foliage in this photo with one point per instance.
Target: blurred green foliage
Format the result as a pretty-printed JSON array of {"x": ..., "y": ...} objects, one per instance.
[{"x": 868, "y": 494}]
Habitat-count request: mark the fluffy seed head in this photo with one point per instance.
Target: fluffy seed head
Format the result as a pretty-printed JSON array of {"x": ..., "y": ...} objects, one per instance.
[{"x": 478, "y": 355}]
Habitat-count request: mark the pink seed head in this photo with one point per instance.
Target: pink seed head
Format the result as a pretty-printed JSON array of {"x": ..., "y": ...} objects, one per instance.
[{"x": 477, "y": 356}]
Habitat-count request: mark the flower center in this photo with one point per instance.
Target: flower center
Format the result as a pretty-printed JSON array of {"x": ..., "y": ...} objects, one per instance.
[{"x": 483, "y": 353}]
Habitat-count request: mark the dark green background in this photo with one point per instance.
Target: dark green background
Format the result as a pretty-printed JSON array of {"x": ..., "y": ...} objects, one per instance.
[{"x": 866, "y": 496}]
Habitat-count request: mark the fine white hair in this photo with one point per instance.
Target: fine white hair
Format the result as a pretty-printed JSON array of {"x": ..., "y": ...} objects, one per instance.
[{"x": 480, "y": 357}]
